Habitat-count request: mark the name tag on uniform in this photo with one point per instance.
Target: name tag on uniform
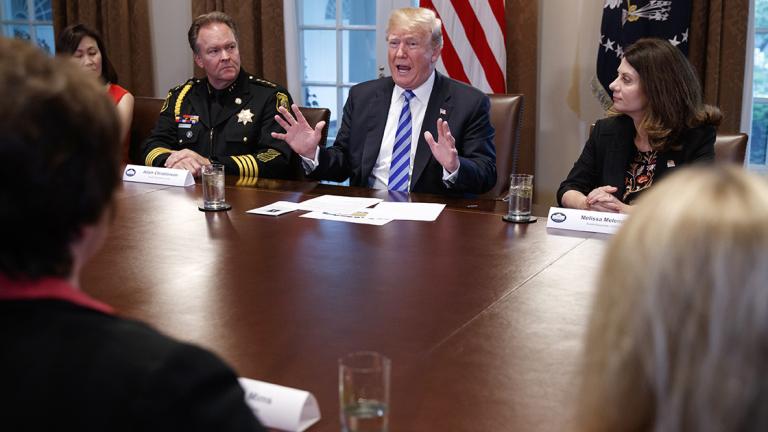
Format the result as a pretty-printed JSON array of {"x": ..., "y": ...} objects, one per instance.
[{"x": 185, "y": 125}]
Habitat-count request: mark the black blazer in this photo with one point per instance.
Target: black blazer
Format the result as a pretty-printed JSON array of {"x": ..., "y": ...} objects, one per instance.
[
  {"x": 67, "y": 367},
  {"x": 611, "y": 148},
  {"x": 358, "y": 142}
]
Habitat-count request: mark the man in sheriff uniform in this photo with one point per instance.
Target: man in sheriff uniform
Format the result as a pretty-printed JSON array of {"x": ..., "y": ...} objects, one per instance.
[{"x": 224, "y": 118}]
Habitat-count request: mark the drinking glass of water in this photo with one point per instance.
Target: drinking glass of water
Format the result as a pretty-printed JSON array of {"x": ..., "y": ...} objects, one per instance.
[
  {"x": 364, "y": 392},
  {"x": 520, "y": 198},
  {"x": 213, "y": 188}
]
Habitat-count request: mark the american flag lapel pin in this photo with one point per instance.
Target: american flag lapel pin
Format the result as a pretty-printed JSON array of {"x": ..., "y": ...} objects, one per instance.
[
  {"x": 670, "y": 164},
  {"x": 443, "y": 112}
]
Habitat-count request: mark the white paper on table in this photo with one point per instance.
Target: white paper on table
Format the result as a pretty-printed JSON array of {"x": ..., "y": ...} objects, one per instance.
[
  {"x": 358, "y": 217},
  {"x": 275, "y": 209},
  {"x": 407, "y": 211},
  {"x": 337, "y": 204},
  {"x": 280, "y": 407},
  {"x": 157, "y": 175}
]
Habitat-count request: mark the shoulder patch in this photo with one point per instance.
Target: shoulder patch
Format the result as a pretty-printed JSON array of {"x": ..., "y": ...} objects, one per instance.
[
  {"x": 282, "y": 101},
  {"x": 167, "y": 100},
  {"x": 268, "y": 155},
  {"x": 182, "y": 88}
]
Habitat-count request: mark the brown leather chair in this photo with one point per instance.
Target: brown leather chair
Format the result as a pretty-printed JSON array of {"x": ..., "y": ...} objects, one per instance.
[
  {"x": 314, "y": 116},
  {"x": 146, "y": 111},
  {"x": 507, "y": 119},
  {"x": 730, "y": 148}
]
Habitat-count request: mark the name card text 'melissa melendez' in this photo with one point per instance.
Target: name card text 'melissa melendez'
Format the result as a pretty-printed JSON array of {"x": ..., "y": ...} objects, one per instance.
[{"x": 584, "y": 220}]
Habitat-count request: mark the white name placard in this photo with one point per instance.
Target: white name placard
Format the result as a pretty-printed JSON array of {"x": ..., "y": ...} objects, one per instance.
[
  {"x": 155, "y": 175},
  {"x": 279, "y": 407},
  {"x": 584, "y": 220}
]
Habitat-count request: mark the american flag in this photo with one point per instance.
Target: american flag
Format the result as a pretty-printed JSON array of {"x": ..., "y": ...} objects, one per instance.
[{"x": 473, "y": 42}]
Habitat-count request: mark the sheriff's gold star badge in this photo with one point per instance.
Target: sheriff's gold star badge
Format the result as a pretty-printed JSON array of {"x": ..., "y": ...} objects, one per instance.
[{"x": 245, "y": 116}]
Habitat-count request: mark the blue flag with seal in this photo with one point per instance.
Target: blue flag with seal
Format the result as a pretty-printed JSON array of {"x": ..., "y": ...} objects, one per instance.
[{"x": 624, "y": 22}]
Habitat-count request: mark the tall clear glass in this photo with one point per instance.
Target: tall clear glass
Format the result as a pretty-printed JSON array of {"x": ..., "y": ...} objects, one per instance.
[{"x": 364, "y": 392}]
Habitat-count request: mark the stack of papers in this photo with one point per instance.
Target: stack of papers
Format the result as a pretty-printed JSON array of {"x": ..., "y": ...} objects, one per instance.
[{"x": 355, "y": 210}]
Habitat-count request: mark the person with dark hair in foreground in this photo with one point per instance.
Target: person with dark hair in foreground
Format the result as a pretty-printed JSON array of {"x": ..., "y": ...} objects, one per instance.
[
  {"x": 678, "y": 334},
  {"x": 659, "y": 123},
  {"x": 85, "y": 46},
  {"x": 68, "y": 361}
]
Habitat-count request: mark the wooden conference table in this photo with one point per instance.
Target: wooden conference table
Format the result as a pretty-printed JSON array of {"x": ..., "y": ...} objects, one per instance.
[{"x": 483, "y": 319}]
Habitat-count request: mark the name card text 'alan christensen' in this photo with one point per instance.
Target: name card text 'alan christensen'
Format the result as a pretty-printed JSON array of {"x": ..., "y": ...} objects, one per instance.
[{"x": 156, "y": 175}]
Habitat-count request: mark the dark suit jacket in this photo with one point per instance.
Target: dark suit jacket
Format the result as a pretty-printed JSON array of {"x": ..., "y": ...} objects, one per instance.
[
  {"x": 358, "y": 142},
  {"x": 611, "y": 148},
  {"x": 68, "y": 367}
]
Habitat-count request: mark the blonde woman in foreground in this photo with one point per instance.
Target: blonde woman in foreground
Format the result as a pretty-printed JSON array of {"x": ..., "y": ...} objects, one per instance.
[{"x": 678, "y": 337}]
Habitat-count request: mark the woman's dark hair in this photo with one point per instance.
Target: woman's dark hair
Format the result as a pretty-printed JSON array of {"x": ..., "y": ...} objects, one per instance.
[
  {"x": 672, "y": 91},
  {"x": 59, "y": 145},
  {"x": 69, "y": 39}
]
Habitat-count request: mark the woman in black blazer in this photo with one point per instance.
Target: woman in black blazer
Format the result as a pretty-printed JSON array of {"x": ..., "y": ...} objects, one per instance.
[{"x": 658, "y": 122}]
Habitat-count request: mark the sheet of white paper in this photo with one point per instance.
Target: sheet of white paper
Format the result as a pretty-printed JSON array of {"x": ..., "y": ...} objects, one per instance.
[
  {"x": 407, "y": 211},
  {"x": 279, "y": 407},
  {"x": 359, "y": 217},
  {"x": 275, "y": 209},
  {"x": 337, "y": 204}
]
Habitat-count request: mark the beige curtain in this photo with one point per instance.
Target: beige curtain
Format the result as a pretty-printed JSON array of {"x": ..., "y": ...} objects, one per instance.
[
  {"x": 262, "y": 41},
  {"x": 522, "y": 19},
  {"x": 718, "y": 40},
  {"x": 124, "y": 26}
]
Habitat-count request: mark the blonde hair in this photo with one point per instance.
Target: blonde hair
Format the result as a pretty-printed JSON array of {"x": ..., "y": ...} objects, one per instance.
[
  {"x": 678, "y": 337},
  {"x": 417, "y": 20}
]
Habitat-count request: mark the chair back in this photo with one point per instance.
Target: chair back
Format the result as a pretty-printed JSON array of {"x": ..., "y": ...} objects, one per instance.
[
  {"x": 730, "y": 148},
  {"x": 146, "y": 111},
  {"x": 507, "y": 119},
  {"x": 313, "y": 116}
]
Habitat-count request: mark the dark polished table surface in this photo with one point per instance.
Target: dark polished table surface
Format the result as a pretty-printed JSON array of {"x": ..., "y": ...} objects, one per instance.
[{"x": 483, "y": 319}]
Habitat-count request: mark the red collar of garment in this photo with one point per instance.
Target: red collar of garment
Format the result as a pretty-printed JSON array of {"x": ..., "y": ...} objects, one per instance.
[{"x": 49, "y": 288}]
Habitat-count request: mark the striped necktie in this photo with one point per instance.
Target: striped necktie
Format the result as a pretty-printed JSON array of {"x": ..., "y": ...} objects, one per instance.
[{"x": 401, "y": 152}]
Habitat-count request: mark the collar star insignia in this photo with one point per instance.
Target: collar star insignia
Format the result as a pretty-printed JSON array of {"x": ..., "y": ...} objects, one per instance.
[{"x": 245, "y": 116}]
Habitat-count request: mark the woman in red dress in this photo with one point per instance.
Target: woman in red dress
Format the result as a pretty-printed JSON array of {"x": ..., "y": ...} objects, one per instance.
[{"x": 85, "y": 46}]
